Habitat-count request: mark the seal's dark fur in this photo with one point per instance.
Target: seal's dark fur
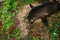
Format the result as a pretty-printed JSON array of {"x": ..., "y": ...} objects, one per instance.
[{"x": 42, "y": 11}]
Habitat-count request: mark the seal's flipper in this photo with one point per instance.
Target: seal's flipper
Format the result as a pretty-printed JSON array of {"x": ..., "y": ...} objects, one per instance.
[
  {"x": 44, "y": 20},
  {"x": 31, "y": 6}
]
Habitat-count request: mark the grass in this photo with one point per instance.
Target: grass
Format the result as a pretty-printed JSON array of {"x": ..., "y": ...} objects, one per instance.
[{"x": 7, "y": 12}]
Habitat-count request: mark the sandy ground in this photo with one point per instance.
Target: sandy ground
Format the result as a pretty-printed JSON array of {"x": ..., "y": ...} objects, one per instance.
[{"x": 36, "y": 30}]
